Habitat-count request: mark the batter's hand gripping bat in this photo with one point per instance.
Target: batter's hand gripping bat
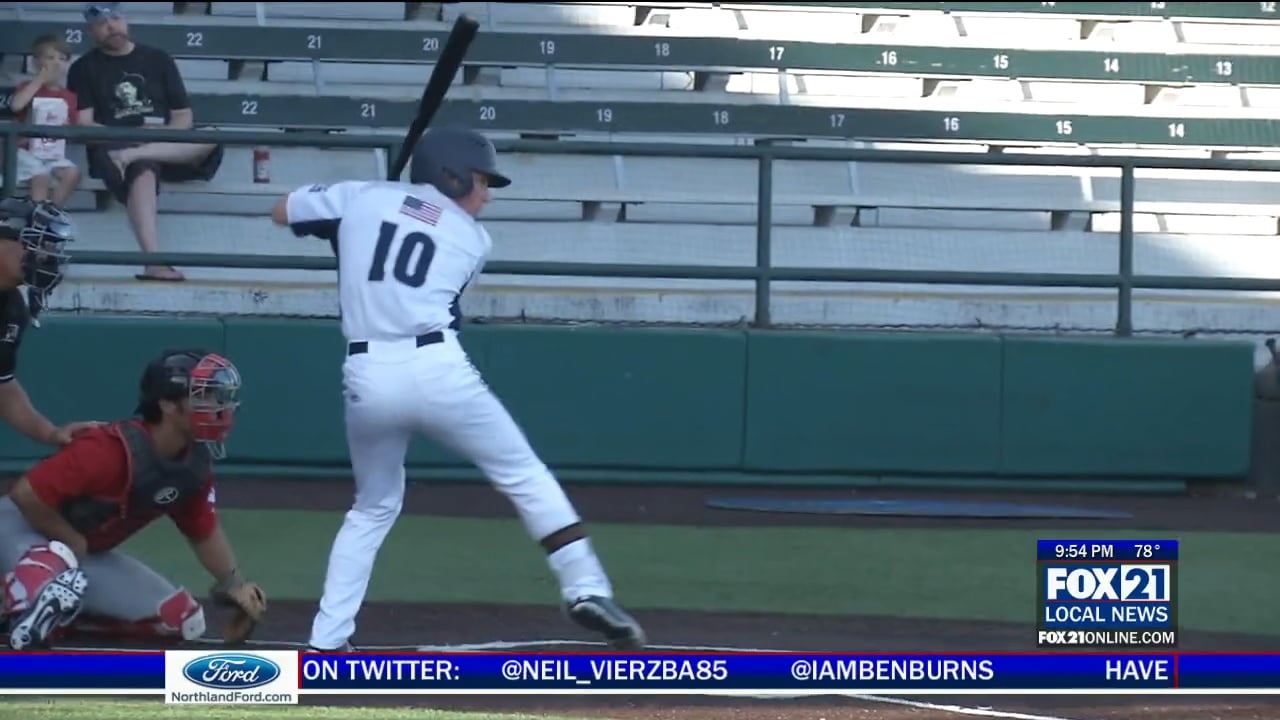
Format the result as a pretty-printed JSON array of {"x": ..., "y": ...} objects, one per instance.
[
  {"x": 450, "y": 60},
  {"x": 442, "y": 75}
]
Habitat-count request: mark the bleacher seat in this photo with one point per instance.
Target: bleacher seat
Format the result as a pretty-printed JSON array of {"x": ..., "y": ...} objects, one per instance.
[
  {"x": 960, "y": 77},
  {"x": 496, "y": 14},
  {"x": 787, "y": 24},
  {"x": 197, "y": 70},
  {"x": 1259, "y": 97},
  {"x": 311, "y": 10},
  {"x": 134, "y": 9}
]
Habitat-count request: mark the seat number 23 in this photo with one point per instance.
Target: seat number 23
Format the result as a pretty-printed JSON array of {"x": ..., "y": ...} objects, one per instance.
[{"x": 412, "y": 259}]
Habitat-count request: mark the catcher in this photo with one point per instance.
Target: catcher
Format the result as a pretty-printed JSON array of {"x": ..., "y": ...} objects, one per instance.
[{"x": 61, "y": 523}]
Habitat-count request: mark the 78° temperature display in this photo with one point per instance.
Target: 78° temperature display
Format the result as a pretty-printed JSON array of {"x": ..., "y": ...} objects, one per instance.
[{"x": 1085, "y": 550}]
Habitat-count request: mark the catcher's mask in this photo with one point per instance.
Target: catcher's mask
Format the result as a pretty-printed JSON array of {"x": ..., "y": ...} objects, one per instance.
[
  {"x": 208, "y": 384},
  {"x": 45, "y": 236}
]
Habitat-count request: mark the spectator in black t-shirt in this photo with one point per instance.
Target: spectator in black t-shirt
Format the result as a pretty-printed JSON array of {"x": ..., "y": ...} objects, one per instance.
[{"x": 121, "y": 83}]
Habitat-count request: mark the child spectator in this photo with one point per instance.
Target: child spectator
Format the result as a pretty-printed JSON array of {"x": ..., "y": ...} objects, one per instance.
[{"x": 45, "y": 100}]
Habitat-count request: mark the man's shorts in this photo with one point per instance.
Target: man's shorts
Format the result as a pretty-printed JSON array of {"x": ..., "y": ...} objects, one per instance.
[
  {"x": 101, "y": 167},
  {"x": 30, "y": 166}
]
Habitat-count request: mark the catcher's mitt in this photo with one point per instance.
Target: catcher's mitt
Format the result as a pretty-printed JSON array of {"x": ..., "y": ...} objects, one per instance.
[{"x": 247, "y": 604}]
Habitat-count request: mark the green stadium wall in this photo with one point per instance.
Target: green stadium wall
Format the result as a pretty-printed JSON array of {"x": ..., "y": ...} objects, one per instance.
[{"x": 696, "y": 404}]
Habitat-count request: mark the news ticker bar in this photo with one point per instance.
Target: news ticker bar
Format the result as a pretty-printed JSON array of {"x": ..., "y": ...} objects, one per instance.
[{"x": 452, "y": 673}]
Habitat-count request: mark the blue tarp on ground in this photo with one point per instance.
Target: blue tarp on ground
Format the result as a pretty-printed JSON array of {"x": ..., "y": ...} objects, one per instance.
[{"x": 916, "y": 508}]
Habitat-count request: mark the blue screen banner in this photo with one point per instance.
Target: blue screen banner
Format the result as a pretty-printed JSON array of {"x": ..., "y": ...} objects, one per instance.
[
  {"x": 790, "y": 672},
  {"x": 483, "y": 672},
  {"x": 107, "y": 671},
  {"x": 465, "y": 673}
]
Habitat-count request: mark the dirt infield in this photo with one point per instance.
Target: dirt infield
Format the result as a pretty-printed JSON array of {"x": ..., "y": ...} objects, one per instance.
[
  {"x": 396, "y": 624},
  {"x": 684, "y": 505}
]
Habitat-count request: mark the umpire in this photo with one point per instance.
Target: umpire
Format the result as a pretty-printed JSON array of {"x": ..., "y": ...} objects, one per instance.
[{"x": 33, "y": 238}]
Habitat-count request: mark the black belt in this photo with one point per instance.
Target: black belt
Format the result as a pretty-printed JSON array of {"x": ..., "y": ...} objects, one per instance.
[{"x": 431, "y": 338}]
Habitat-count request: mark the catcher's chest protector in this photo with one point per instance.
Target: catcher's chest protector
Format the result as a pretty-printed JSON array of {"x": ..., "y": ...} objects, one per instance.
[{"x": 156, "y": 485}]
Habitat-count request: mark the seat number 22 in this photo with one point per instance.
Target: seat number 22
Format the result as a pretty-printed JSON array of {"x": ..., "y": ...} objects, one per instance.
[{"x": 413, "y": 259}]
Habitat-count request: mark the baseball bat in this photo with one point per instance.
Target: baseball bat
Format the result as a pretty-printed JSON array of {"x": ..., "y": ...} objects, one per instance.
[
  {"x": 446, "y": 68},
  {"x": 447, "y": 65}
]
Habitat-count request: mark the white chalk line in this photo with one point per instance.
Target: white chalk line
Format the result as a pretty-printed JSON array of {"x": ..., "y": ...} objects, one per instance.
[
  {"x": 518, "y": 644},
  {"x": 957, "y": 709}
]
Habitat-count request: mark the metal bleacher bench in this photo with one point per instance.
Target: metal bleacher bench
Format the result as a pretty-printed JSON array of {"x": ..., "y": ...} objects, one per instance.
[
  {"x": 812, "y": 193},
  {"x": 240, "y": 100},
  {"x": 760, "y": 120},
  {"x": 1127, "y": 10},
  {"x": 543, "y": 46}
]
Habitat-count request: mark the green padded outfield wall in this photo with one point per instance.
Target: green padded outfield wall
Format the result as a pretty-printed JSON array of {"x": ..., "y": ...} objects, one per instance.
[
  {"x": 913, "y": 403},
  {"x": 779, "y": 402},
  {"x": 613, "y": 397},
  {"x": 1137, "y": 407}
]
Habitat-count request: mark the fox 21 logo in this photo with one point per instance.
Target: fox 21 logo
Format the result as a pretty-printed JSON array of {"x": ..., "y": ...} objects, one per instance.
[{"x": 1120, "y": 583}]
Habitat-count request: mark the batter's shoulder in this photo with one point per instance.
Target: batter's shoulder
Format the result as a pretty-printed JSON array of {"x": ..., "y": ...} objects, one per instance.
[
  {"x": 382, "y": 186},
  {"x": 486, "y": 242}
]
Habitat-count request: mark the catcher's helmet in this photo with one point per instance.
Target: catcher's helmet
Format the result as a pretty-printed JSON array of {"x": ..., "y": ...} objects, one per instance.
[
  {"x": 446, "y": 157},
  {"x": 207, "y": 381}
]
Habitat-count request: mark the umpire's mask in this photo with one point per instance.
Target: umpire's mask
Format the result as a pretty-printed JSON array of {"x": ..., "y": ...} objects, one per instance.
[{"x": 45, "y": 236}]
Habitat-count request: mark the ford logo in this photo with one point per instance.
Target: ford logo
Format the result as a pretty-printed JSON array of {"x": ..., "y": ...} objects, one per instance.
[{"x": 231, "y": 671}]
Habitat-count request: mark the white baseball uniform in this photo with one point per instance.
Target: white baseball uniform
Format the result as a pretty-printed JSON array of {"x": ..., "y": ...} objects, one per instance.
[{"x": 406, "y": 253}]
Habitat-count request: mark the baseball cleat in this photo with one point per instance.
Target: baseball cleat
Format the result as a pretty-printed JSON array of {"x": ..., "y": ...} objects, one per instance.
[
  {"x": 602, "y": 615},
  {"x": 56, "y": 606}
]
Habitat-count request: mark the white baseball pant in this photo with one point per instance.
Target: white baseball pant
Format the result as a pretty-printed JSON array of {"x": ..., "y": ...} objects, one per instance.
[{"x": 396, "y": 390}]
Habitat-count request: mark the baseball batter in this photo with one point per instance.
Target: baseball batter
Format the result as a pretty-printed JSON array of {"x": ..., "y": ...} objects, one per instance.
[
  {"x": 62, "y": 522},
  {"x": 406, "y": 253}
]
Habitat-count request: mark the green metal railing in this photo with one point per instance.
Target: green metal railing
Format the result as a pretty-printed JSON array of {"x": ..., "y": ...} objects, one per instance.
[{"x": 1124, "y": 281}]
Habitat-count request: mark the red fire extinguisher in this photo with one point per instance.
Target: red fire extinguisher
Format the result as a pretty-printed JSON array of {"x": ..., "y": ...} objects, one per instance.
[{"x": 262, "y": 165}]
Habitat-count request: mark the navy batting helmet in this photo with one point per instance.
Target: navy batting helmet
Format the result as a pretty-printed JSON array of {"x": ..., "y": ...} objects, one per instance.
[{"x": 446, "y": 157}]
